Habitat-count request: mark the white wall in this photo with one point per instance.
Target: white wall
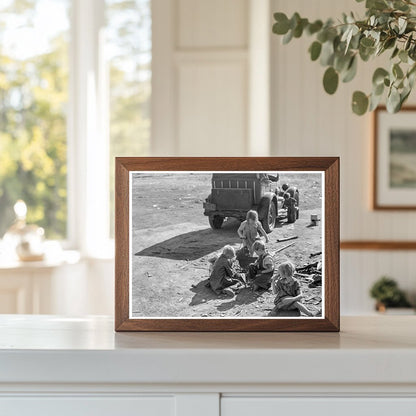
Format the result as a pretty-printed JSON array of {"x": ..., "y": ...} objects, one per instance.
[
  {"x": 203, "y": 82},
  {"x": 308, "y": 122}
]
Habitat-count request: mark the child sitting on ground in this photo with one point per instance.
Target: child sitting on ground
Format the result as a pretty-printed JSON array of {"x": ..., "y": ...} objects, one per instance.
[
  {"x": 287, "y": 290},
  {"x": 222, "y": 276},
  {"x": 249, "y": 231},
  {"x": 261, "y": 271}
]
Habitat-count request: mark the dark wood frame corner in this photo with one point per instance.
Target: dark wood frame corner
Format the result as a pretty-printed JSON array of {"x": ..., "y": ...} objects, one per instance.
[
  {"x": 375, "y": 205},
  {"x": 329, "y": 165}
]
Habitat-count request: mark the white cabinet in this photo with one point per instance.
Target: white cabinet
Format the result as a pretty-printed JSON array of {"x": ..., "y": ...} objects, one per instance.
[
  {"x": 88, "y": 406},
  {"x": 64, "y": 366},
  {"x": 325, "y": 406}
]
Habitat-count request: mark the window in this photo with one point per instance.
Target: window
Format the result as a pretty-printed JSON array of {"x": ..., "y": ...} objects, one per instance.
[
  {"x": 129, "y": 46},
  {"x": 33, "y": 102},
  {"x": 75, "y": 88}
]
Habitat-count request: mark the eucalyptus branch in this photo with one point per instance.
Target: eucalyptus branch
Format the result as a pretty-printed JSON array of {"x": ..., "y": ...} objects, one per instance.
[{"x": 389, "y": 25}]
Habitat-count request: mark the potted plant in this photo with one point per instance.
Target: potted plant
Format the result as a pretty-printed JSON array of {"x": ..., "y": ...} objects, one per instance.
[{"x": 387, "y": 294}]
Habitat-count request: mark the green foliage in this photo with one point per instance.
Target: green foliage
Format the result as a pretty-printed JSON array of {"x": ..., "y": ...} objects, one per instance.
[
  {"x": 389, "y": 26},
  {"x": 34, "y": 103},
  {"x": 359, "y": 103},
  {"x": 387, "y": 292},
  {"x": 33, "y": 98},
  {"x": 315, "y": 50},
  {"x": 282, "y": 25},
  {"x": 330, "y": 80}
]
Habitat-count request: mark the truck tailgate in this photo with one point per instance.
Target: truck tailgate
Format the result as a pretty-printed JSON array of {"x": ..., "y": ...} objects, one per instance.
[{"x": 229, "y": 198}]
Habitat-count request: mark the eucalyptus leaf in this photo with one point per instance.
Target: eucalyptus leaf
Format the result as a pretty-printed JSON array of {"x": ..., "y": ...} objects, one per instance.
[
  {"x": 378, "y": 89},
  {"x": 315, "y": 50},
  {"x": 400, "y": 5},
  {"x": 351, "y": 71},
  {"x": 374, "y": 102},
  {"x": 366, "y": 53},
  {"x": 282, "y": 26},
  {"x": 294, "y": 20},
  {"x": 288, "y": 37},
  {"x": 389, "y": 43},
  {"x": 379, "y": 75},
  {"x": 314, "y": 27},
  {"x": 359, "y": 103},
  {"x": 408, "y": 42},
  {"x": 403, "y": 56},
  {"x": 330, "y": 80},
  {"x": 402, "y": 23},
  {"x": 376, "y": 4},
  {"x": 397, "y": 71},
  {"x": 411, "y": 78},
  {"x": 341, "y": 62},
  {"x": 298, "y": 30},
  {"x": 367, "y": 42},
  {"x": 395, "y": 52},
  {"x": 393, "y": 101},
  {"x": 404, "y": 96},
  {"x": 327, "y": 54}
]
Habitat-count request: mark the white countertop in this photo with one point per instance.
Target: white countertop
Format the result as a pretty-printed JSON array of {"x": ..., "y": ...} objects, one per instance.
[{"x": 52, "y": 349}]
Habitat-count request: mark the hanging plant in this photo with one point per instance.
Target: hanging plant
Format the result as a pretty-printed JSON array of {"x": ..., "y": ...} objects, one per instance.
[{"x": 389, "y": 27}]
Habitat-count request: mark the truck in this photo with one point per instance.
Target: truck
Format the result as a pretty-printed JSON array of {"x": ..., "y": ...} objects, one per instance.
[{"x": 234, "y": 194}]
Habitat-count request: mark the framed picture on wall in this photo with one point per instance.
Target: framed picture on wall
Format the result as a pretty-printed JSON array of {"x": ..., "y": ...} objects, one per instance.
[
  {"x": 227, "y": 244},
  {"x": 394, "y": 179}
]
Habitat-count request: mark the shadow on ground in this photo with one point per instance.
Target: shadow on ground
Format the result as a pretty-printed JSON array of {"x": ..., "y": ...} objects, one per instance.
[
  {"x": 244, "y": 297},
  {"x": 204, "y": 294},
  {"x": 195, "y": 244}
]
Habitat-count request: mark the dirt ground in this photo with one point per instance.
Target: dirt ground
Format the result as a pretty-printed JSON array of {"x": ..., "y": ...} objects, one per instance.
[{"x": 172, "y": 242}]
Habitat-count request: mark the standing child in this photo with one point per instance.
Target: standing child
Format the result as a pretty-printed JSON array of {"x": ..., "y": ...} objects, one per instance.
[
  {"x": 250, "y": 229},
  {"x": 290, "y": 204},
  {"x": 261, "y": 271},
  {"x": 287, "y": 290},
  {"x": 222, "y": 275}
]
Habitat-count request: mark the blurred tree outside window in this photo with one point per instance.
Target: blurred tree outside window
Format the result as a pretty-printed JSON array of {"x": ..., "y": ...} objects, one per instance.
[
  {"x": 34, "y": 41},
  {"x": 129, "y": 53},
  {"x": 34, "y": 91}
]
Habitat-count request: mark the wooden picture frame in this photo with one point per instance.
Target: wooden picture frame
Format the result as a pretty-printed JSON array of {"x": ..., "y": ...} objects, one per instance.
[
  {"x": 328, "y": 166},
  {"x": 386, "y": 193}
]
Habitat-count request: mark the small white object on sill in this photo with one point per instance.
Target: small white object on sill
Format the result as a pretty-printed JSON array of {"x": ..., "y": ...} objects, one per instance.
[{"x": 54, "y": 257}]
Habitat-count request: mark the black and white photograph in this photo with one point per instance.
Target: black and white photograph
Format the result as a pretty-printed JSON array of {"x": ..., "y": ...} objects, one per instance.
[{"x": 227, "y": 244}]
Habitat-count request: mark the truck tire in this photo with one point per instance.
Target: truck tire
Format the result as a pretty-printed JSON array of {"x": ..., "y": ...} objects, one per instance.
[
  {"x": 215, "y": 221},
  {"x": 269, "y": 221}
]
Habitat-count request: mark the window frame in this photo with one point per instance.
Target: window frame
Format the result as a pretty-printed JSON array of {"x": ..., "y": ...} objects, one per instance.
[{"x": 87, "y": 133}]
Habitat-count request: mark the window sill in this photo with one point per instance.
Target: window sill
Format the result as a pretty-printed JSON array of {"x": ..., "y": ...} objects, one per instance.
[{"x": 50, "y": 261}]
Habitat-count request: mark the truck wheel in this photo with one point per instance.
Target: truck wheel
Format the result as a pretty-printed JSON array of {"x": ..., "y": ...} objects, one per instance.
[
  {"x": 215, "y": 221},
  {"x": 270, "y": 220},
  {"x": 291, "y": 214}
]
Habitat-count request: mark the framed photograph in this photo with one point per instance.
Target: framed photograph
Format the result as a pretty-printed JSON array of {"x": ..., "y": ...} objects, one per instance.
[
  {"x": 227, "y": 244},
  {"x": 395, "y": 159}
]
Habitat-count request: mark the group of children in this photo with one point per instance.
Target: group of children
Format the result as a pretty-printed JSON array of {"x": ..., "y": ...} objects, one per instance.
[{"x": 261, "y": 274}]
